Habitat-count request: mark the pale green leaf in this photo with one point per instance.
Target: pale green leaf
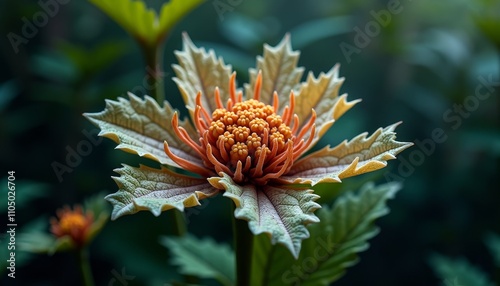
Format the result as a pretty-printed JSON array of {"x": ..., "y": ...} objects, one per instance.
[
  {"x": 458, "y": 272},
  {"x": 278, "y": 211},
  {"x": 39, "y": 242},
  {"x": 142, "y": 22},
  {"x": 342, "y": 232},
  {"x": 200, "y": 71},
  {"x": 141, "y": 126},
  {"x": 202, "y": 258},
  {"x": 279, "y": 72},
  {"x": 360, "y": 155},
  {"x": 156, "y": 190},
  {"x": 34, "y": 239},
  {"x": 322, "y": 95},
  {"x": 493, "y": 242}
]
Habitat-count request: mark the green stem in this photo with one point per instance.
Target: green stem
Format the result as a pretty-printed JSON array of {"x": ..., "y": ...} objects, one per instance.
[
  {"x": 265, "y": 279},
  {"x": 178, "y": 228},
  {"x": 153, "y": 56},
  {"x": 243, "y": 244},
  {"x": 177, "y": 221},
  {"x": 83, "y": 260}
]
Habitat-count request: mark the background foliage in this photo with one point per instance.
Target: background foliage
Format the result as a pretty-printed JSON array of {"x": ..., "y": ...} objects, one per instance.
[{"x": 418, "y": 66}]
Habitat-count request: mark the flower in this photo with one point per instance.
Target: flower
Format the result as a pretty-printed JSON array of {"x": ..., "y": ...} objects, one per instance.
[
  {"x": 70, "y": 229},
  {"x": 246, "y": 140},
  {"x": 249, "y": 147},
  {"x": 73, "y": 223}
]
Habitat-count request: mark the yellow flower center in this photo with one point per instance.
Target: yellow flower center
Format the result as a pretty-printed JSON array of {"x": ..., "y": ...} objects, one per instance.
[
  {"x": 249, "y": 128},
  {"x": 71, "y": 221},
  {"x": 247, "y": 140}
]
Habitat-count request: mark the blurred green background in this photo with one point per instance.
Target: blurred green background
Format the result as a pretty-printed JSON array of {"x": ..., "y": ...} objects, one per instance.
[{"x": 435, "y": 65}]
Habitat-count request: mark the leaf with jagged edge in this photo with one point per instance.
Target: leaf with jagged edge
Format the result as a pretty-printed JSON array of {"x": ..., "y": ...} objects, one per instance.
[
  {"x": 279, "y": 73},
  {"x": 343, "y": 232},
  {"x": 199, "y": 70},
  {"x": 141, "y": 127},
  {"x": 156, "y": 190},
  {"x": 278, "y": 211},
  {"x": 458, "y": 272},
  {"x": 322, "y": 95},
  {"x": 144, "y": 23},
  {"x": 360, "y": 155},
  {"x": 202, "y": 258}
]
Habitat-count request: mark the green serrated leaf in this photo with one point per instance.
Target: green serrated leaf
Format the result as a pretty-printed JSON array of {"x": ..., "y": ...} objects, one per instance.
[
  {"x": 492, "y": 240},
  {"x": 144, "y": 23},
  {"x": 156, "y": 190},
  {"x": 278, "y": 211},
  {"x": 279, "y": 72},
  {"x": 202, "y": 258},
  {"x": 360, "y": 155},
  {"x": 342, "y": 232},
  {"x": 199, "y": 70},
  {"x": 141, "y": 127},
  {"x": 458, "y": 272}
]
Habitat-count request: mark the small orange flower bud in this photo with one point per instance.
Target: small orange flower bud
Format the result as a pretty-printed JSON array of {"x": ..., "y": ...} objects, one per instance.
[{"x": 74, "y": 223}]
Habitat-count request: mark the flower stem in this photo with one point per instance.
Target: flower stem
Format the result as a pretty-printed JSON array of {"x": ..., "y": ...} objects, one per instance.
[
  {"x": 153, "y": 56},
  {"x": 176, "y": 218},
  {"x": 83, "y": 261},
  {"x": 243, "y": 244}
]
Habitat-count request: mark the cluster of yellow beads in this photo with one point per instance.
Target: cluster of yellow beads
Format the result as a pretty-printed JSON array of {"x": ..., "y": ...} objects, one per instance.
[
  {"x": 248, "y": 128},
  {"x": 72, "y": 221}
]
